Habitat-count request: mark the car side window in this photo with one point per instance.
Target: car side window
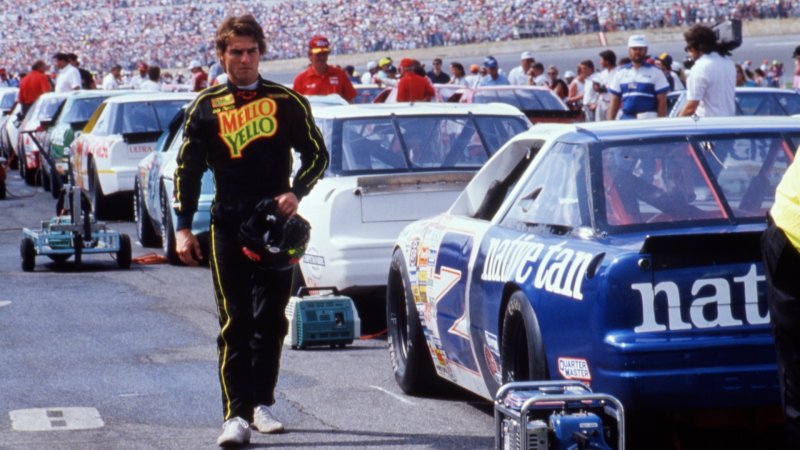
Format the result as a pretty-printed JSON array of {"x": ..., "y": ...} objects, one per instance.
[{"x": 555, "y": 191}]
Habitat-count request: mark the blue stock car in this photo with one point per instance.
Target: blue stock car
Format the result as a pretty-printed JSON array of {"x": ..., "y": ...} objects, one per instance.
[{"x": 624, "y": 255}]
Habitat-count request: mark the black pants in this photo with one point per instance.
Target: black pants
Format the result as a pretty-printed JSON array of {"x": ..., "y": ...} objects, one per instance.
[
  {"x": 782, "y": 268},
  {"x": 251, "y": 303}
]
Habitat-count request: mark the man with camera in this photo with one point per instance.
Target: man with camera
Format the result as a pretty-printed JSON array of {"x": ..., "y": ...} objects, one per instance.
[
  {"x": 244, "y": 131},
  {"x": 711, "y": 87}
]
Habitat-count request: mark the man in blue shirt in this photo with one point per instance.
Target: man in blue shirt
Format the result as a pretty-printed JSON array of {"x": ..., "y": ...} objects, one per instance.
[
  {"x": 494, "y": 77},
  {"x": 639, "y": 89}
]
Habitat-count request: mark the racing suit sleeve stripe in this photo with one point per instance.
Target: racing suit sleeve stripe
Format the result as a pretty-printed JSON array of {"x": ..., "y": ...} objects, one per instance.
[
  {"x": 191, "y": 163},
  {"x": 308, "y": 177}
]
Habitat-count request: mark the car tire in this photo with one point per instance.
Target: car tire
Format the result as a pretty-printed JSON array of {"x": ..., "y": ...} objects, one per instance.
[
  {"x": 168, "y": 233},
  {"x": 55, "y": 184},
  {"x": 144, "y": 224},
  {"x": 2, "y": 189},
  {"x": 27, "y": 251},
  {"x": 125, "y": 252},
  {"x": 99, "y": 201},
  {"x": 45, "y": 178},
  {"x": 411, "y": 360},
  {"x": 59, "y": 257},
  {"x": 521, "y": 347}
]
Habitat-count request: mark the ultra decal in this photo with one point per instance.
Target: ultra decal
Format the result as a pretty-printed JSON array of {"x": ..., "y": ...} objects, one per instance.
[
  {"x": 239, "y": 127},
  {"x": 710, "y": 307},
  {"x": 554, "y": 268}
]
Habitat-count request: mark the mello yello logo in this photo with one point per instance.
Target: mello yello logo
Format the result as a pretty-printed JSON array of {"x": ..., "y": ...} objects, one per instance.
[{"x": 239, "y": 127}]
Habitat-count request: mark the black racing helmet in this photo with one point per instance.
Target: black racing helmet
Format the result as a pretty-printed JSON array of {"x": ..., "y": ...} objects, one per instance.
[{"x": 271, "y": 241}]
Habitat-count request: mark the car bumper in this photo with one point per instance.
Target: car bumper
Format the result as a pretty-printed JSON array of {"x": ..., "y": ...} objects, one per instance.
[
  {"x": 691, "y": 373},
  {"x": 117, "y": 180},
  {"x": 362, "y": 264}
]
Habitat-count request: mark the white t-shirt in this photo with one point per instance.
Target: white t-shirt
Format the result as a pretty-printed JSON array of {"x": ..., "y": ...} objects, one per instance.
[
  {"x": 110, "y": 82},
  {"x": 604, "y": 78},
  {"x": 367, "y": 78},
  {"x": 149, "y": 85},
  {"x": 69, "y": 79},
  {"x": 712, "y": 82},
  {"x": 517, "y": 76}
]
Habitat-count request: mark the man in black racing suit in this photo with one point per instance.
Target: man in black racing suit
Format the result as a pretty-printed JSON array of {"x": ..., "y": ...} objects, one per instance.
[{"x": 244, "y": 131}]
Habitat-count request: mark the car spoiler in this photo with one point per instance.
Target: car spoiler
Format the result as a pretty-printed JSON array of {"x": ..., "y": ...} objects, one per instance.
[
  {"x": 690, "y": 250},
  {"x": 143, "y": 136},
  {"x": 429, "y": 181}
]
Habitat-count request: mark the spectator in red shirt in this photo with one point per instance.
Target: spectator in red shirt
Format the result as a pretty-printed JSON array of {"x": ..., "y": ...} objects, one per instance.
[
  {"x": 321, "y": 78},
  {"x": 34, "y": 84},
  {"x": 412, "y": 86}
]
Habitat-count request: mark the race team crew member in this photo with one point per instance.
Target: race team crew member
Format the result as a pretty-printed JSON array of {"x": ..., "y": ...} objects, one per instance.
[
  {"x": 68, "y": 79},
  {"x": 321, "y": 78},
  {"x": 244, "y": 131},
  {"x": 413, "y": 87},
  {"x": 640, "y": 89},
  {"x": 780, "y": 249},
  {"x": 33, "y": 85},
  {"x": 711, "y": 86}
]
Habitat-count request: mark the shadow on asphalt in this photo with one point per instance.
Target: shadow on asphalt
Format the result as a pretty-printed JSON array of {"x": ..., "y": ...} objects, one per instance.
[{"x": 382, "y": 439}]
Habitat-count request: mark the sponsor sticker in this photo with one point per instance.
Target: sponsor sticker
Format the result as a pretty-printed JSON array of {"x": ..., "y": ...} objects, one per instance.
[
  {"x": 225, "y": 100},
  {"x": 574, "y": 369}
]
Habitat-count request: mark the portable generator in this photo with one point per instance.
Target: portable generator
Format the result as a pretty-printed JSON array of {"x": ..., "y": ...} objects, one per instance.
[
  {"x": 557, "y": 415},
  {"x": 324, "y": 318}
]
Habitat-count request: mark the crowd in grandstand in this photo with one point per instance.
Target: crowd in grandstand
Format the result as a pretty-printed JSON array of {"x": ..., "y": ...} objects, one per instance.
[{"x": 169, "y": 33}]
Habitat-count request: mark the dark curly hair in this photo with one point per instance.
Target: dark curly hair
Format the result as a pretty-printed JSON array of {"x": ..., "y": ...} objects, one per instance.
[
  {"x": 245, "y": 25},
  {"x": 704, "y": 40}
]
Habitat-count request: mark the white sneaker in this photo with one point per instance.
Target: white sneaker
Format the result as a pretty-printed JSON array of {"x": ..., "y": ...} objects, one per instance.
[
  {"x": 235, "y": 431},
  {"x": 265, "y": 422}
]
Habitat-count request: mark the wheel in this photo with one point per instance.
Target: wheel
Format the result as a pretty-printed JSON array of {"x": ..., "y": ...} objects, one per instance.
[
  {"x": 144, "y": 225},
  {"x": 298, "y": 280},
  {"x": 99, "y": 201},
  {"x": 28, "y": 253},
  {"x": 77, "y": 244},
  {"x": 411, "y": 360},
  {"x": 45, "y": 177},
  {"x": 521, "y": 347},
  {"x": 55, "y": 183},
  {"x": 168, "y": 234},
  {"x": 2, "y": 189},
  {"x": 124, "y": 252},
  {"x": 59, "y": 257}
]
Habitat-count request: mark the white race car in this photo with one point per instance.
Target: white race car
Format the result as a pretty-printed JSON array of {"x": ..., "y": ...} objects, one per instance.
[
  {"x": 121, "y": 132},
  {"x": 391, "y": 164}
]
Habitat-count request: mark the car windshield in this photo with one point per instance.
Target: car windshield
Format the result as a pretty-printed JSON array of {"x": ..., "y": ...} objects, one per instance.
[
  {"x": 704, "y": 179},
  {"x": 403, "y": 144},
  {"x": 366, "y": 94},
  {"x": 142, "y": 117},
  {"x": 82, "y": 109},
  {"x": 523, "y": 99},
  {"x": 7, "y": 100},
  {"x": 49, "y": 108},
  {"x": 764, "y": 104}
]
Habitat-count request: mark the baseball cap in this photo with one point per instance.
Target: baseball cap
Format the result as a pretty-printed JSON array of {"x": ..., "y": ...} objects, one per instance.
[
  {"x": 141, "y": 64},
  {"x": 391, "y": 68},
  {"x": 569, "y": 74},
  {"x": 384, "y": 61},
  {"x": 637, "y": 40},
  {"x": 406, "y": 62},
  {"x": 474, "y": 68},
  {"x": 319, "y": 44},
  {"x": 372, "y": 65},
  {"x": 666, "y": 60},
  {"x": 490, "y": 63},
  {"x": 526, "y": 55},
  {"x": 195, "y": 63},
  {"x": 2, "y": 70}
]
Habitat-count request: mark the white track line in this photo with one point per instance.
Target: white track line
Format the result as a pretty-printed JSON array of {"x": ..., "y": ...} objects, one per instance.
[{"x": 398, "y": 397}]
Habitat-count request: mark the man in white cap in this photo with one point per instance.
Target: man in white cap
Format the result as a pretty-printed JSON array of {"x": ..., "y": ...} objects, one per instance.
[
  {"x": 639, "y": 89},
  {"x": 372, "y": 69},
  {"x": 518, "y": 76},
  {"x": 199, "y": 76}
]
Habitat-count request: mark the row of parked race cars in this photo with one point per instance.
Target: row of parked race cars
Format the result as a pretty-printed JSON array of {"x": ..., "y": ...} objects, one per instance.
[{"x": 620, "y": 254}]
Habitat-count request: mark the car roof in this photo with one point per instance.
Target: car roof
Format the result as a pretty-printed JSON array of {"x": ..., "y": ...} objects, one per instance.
[
  {"x": 3, "y": 90},
  {"x": 414, "y": 109},
  {"x": 613, "y": 130},
  {"x": 97, "y": 93},
  {"x": 510, "y": 88},
  {"x": 152, "y": 96}
]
